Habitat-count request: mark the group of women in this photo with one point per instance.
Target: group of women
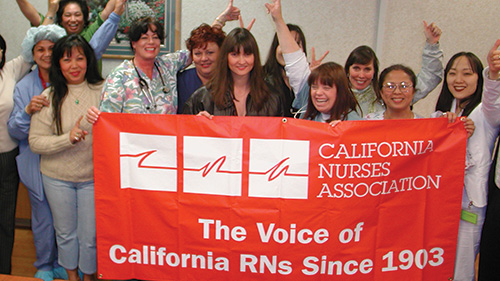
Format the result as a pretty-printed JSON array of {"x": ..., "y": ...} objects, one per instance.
[
  {"x": 61, "y": 197},
  {"x": 228, "y": 80}
]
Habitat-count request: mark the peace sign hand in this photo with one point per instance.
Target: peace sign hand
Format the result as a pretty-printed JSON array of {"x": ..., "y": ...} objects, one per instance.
[{"x": 315, "y": 63}]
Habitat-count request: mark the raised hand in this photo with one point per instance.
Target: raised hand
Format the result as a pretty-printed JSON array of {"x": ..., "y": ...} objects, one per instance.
[
  {"x": 494, "y": 61},
  {"x": 53, "y": 5},
  {"x": 77, "y": 134},
  {"x": 242, "y": 25},
  {"x": 229, "y": 14},
  {"x": 315, "y": 63},
  {"x": 119, "y": 7},
  {"x": 432, "y": 33},
  {"x": 36, "y": 104},
  {"x": 274, "y": 9}
]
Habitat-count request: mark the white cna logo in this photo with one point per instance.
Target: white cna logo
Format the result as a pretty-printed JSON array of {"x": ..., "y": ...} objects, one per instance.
[
  {"x": 213, "y": 165},
  {"x": 277, "y": 168},
  {"x": 148, "y": 162}
]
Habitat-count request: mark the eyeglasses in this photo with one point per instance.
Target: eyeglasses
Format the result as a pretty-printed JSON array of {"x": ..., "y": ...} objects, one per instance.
[{"x": 403, "y": 86}]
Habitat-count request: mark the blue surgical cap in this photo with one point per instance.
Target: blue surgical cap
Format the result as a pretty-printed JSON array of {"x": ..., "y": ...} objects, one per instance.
[{"x": 51, "y": 32}]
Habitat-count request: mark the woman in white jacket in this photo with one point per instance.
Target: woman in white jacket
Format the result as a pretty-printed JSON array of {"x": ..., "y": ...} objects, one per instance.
[{"x": 470, "y": 91}]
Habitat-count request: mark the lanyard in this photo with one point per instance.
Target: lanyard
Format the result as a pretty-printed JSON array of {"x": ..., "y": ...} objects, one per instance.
[{"x": 44, "y": 84}]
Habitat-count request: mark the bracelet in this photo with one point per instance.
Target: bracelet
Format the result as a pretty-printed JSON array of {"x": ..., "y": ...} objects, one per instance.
[
  {"x": 50, "y": 18},
  {"x": 220, "y": 21}
]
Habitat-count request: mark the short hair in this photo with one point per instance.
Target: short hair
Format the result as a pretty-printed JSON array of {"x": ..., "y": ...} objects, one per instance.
[
  {"x": 204, "y": 34},
  {"x": 83, "y": 6},
  {"x": 141, "y": 26},
  {"x": 3, "y": 46},
  {"x": 332, "y": 74},
  {"x": 364, "y": 55},
  {"x": 446, "y": 97},
  {"x": 58, "y": 81}
]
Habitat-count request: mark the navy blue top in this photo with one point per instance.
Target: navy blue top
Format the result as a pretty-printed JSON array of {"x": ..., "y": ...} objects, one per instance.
[{"x": 187, "y": 83}]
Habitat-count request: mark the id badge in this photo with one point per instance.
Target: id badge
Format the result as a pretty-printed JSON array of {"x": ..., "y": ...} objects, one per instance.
[{"x": 468, "y": 216}]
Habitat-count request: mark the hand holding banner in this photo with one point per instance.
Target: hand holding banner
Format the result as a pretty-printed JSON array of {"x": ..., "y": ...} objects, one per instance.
[{"x": 187, "y": 198}]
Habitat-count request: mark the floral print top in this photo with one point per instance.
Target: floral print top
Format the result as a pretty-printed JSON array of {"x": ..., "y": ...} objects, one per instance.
[{"x": 124, "y": 92}]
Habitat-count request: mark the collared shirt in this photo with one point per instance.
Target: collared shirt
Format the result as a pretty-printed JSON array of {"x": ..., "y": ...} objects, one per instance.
[{"x": 122, "y": 90}]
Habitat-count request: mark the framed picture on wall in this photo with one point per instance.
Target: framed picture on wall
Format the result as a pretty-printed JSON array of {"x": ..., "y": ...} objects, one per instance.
[{"x": 167, "y": 12}]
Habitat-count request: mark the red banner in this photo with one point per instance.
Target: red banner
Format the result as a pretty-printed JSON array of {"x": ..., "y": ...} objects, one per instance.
[{"x": 258, "y": 198}]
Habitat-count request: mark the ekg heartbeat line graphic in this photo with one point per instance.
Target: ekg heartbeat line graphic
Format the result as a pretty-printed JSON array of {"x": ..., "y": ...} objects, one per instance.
[
  {"x": 274, "y": 172},
  {"x": 278, "y": 170},
  {"x": 217, "y": 164},
  {"x": 145, "y": 155}
]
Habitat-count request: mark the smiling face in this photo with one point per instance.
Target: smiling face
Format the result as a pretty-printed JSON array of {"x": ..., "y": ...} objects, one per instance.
[
  {"x": 42, "y": 54},
  {"x": 74, "y": 66},
  {"x": 323, "y": 96},
  {"x": 239, "y": 63},
  {"x": 148, "y": 45},
  {"x": 204, "y": 59},
  {"x": 72, "y": 18},
  {"x": 361, "y": 75},
  {"x": 397, "y": 99},
  {"x": 461, "y": 79}
]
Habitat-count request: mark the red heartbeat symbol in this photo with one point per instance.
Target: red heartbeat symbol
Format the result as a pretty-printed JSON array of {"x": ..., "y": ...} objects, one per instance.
[
  {"x": 275, "y": 171},
  {"x": 144, "y": 156},
  {"x": 209, "y": 166}
]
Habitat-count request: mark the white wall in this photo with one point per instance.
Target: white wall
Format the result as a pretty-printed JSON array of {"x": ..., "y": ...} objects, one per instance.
[{"x": 335, "y": 25}]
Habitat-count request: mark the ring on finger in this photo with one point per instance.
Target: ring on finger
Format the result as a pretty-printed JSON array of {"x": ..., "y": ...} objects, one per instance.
[{"x": 76, "y": 138}]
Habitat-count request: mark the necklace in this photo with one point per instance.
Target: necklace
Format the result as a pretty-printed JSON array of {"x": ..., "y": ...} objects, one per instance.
[{"x": 78, "y": 95}]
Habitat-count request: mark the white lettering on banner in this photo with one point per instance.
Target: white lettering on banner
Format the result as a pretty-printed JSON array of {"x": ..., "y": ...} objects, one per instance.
[
  {"x": 314, "y": 266},
  {"x": 280, "y": 235},
  {"x": 351, "y": 171},
  {"x": 263, "y": 262},
  {"x": 347, "y": 234},
  {"x": 278, "y": 168},
  {"x": 379, "y": 188},
  {"x": 148, "y": 162},
  {"x": 150, "y": 255},
  {"x": 369, "y": 150},
  {"x": 238, "y": 233}
]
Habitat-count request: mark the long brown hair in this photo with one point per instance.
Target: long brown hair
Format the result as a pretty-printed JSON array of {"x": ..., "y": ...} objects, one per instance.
[{"x": 222, "y": 81}]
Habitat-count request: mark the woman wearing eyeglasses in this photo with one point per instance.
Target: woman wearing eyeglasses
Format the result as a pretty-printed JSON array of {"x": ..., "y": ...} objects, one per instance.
[
  {"x": 397, "y": 88},
  {"x": 362, "y": 69},
  {"x": 147, "y": 83}
]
